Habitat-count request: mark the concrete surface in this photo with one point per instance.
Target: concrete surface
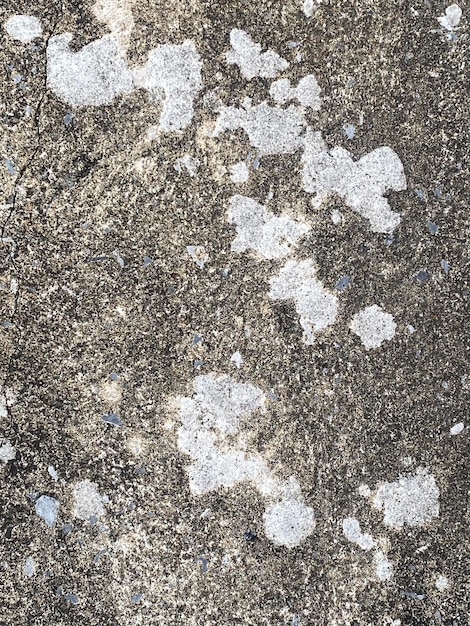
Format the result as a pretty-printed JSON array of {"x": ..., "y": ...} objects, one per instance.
[{"x": 234, "y": 313}]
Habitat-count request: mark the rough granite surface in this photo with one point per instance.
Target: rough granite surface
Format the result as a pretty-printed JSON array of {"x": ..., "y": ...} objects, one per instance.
[{"x": 340, "y": 495}]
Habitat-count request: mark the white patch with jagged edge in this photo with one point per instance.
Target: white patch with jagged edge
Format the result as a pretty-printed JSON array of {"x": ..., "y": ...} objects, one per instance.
[
  {"x": 362, "y": 184},
  {"x": 352, "y": 532},
  {"x": 88, "y": 503},
  {"x": 248, "y": 56},
  {"x": 412, "y": 500},
  {"x": 307, "y": 92},
  {"x": 210, "y": 422},
  {"x": 316, "y": 306},
  {"x": 260, "y": 230},
  {"x": 373, "y": 326}
]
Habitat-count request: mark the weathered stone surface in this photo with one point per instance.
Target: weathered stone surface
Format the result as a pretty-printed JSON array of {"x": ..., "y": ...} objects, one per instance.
[{"x": 174, "y": 448}]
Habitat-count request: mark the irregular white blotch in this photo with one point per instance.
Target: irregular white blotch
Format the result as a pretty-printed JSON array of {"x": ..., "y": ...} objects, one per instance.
[
  {"x": 452, "y": 17},
  {"x": 239, "y": 172},
  {"x": 272, "y": 130},
  {"x": 117, "y": 15},
  {"x": 352, "y": 532},
  {"x": 383, "y": 567},
  {"x": 237, "y": 359},
  {"x": 189, "y": 163},
  {"x": 198, "y": 254},
  {"x": 52, "y": 472},
  {"x": 7, "y": 398},
  {"x": 23, "y": 28},
  {"x": 316, "y": 306},
  {"x": 247, "y": 55},
  {"x": 93, "y": 76},
  {"x": 289, "y": 522},
  {"x": 442, "y": 583},
  {"x": 457, "y": 428},
  {"x": 260, "y": 230},
  {"x": 411, "y": 500},
  {"x": 7, "y": 452},
  {"x": 307, "y": 92},
  {"x": 336, "y": 217},
  {"x": 374, "y": 326},
  {"x": 88, "y": 503},
  {"x": 29, "y": 567},
  {"x": 47, "y": 508},
  {"x": 364, "y": 490},
  {"x": 172, "y": 75},
  {"x": 209, "y": 424},
  {"x": 362, "y": 184}
]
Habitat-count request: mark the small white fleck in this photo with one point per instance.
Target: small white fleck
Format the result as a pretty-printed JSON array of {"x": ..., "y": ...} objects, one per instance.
[
  {"x": 364, "y": 491},
  {"x": 29, "y": 567},
  {"x": 198, "y": 254},
  {"x": 336, "y": 217},
  {"x": 457, "y": 428},
  {"x": 308, "y": 6},
  {"x": 239, "y": 172},
  {"x": 442, "y": 583},
  {"x": 374, "y": 326},
  {"x": 7, "y": 452},
  {"x": 248, "y": 56},
  {"x": 47, "y": 509},
  {"x": 411, "y": 329},
  {"x": 23, "y": 28},
  {"x": 52, "y": 472},
  {"x": 237, "y": 359},
  {"x": 189, "y": 163}
]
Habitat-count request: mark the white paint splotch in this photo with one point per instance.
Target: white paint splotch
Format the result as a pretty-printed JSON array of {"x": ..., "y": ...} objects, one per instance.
[
  {"x": 260, "y": 230},
  {"x": 210, "y": 435},
  {"x": 88, "y": 504},
  {"x": 272, "y": 130},
  {"x": 451, "y": 18},
  {"x": 352, "y": 532},
  {"x": 412, "y": 500},
  {"x": 383, "y": 567},
  {"x": 93, "y": 76},
  {"x": 373, "y": 326},
  {"x": 24, "y": 28},
  {"x": 307, "y": 92},
  {"x": 7, "y": 452},
  {"x": 362, "y": 184},
  {"x": 248, "y": 56},
  {"x": 316, "y": 306},
  {"x": 172, "y": 76}
]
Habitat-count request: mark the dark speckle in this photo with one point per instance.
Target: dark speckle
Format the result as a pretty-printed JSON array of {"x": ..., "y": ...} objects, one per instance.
[{"x": 249, "y": 535}]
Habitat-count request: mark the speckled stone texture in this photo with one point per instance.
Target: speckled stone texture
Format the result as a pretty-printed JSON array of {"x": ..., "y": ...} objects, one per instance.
[{"x": 119, "y": 287}]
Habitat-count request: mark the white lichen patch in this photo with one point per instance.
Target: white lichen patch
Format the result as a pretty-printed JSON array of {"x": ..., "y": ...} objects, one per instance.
[
  {"x": 373, "y": 326},
  {"x": 88, "y": 503},
  {"x": 316, "y": 306},
  {"x": 118, "y": 17},
  {"x": 272, "y": 130},
  {"x": 308, "y": 7},
  {"x": 442, "y": 583},
  {"x": 260, "y": 230},
  {"x": 451, "y": 19},
  {"x": 248, "y": 56},
  {"x": 362, "y": 184},
  {"x": 198, "y": 254},
  {"x": 412, "y": 500},
  {"x": 383, "y": 567},
  {"x": 47, "y": 508},
  {"x": 7, "y": 452},
  {"x": 210, "y": 422},
  {"x": 239, "y": 172},
  {"x": 352, "y": 532},
  {"x": 23, "y": 28},
  {"x": 93, "y": 76},
  {"x": 307, "y": 92},
  {"x": 172, "y": 75}
]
